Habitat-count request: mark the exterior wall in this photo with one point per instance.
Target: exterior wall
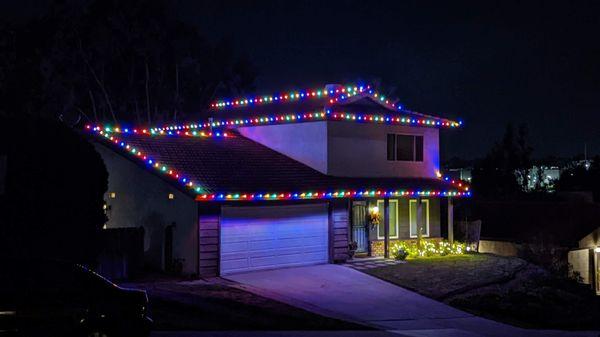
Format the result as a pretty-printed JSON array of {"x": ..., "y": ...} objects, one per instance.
[
  {"x": 360, "y": 150},
  {"x": 141, "y": 200},
  {"x": 582, "y": 263},
  {"x": 209, "y": 236},
  {"x": 502, "y": 248},
  {"x": 348, "y": 149},
  {"x": 304, "y": 142},
  {"x": 339, "y": 224},
  {"x": 591, "y": 240}
]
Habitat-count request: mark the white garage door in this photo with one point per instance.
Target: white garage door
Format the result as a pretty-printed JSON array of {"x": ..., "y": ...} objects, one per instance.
[{"x": 254, "y": 238}]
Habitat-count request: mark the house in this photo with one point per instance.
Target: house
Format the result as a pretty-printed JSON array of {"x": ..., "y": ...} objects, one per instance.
[
  {"x": 279, "y": 180},
  {"x": 585, "y": 261}
]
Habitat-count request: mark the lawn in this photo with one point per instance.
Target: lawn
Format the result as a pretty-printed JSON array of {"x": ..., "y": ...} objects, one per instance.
[
  {"x": 213, "y": 307},
  {"x": 505, "y": 289}
]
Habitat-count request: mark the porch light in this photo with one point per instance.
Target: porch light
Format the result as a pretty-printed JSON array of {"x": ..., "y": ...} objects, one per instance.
[{"x": 374, "y": 210}]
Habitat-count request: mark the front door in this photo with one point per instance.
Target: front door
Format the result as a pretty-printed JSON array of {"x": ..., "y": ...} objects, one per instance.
[{"x": 359, "y": 225}]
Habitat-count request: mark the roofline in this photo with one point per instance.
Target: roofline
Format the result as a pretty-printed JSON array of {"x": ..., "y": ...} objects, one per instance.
[
  {"x": 338, "y": 94},
  {"x": 335, "y": 194},
  {"x": 205, "y": 129},
  {"x": 188, "y": 186}
]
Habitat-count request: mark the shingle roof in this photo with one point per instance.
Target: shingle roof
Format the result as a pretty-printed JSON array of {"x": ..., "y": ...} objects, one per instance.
[{"x": 236, "y": 164}]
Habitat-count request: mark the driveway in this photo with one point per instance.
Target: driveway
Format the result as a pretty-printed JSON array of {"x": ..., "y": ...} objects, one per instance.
[{"x": 345, "y": 293}]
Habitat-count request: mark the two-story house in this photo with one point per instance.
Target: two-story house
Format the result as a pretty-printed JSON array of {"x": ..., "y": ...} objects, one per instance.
[{"x": 279, "y": 180}]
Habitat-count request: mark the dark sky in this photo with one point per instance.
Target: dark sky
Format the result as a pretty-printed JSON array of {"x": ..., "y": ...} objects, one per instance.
[{"x": 486, "y": 63}]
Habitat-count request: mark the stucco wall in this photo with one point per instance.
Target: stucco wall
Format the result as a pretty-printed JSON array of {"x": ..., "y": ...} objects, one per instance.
[
  {"x": 360, "y": 150},
  {"x": 348, "y": 149},
  {"x": 141, "y": 199},
  {"x": 304, "y": 142}
]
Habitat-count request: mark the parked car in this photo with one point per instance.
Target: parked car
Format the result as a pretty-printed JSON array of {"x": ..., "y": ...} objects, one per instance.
[{"x": 53, "y": 298}]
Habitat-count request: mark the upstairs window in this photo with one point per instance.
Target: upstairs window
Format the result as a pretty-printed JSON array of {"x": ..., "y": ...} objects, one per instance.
[{"x": 404, "y": 147}]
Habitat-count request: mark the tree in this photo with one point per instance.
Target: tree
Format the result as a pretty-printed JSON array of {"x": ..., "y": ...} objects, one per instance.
[
  {"x": 55, "y": 183},
  {"x": 503, "y": 172},
  {"x": 580, "y": 178},
  {"x": 117, "y": 61}
]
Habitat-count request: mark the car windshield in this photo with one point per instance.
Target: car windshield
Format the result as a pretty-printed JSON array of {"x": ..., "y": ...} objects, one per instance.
[{"x": 92, "y": 278}]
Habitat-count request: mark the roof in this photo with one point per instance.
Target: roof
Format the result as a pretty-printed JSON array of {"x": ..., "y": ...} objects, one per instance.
[
  {"x": 342, "y": 99},
  {"x": 228, "y": 166}
]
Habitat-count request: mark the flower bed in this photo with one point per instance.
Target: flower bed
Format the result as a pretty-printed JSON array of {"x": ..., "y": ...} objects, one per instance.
[{"x": 426, "y": 248}]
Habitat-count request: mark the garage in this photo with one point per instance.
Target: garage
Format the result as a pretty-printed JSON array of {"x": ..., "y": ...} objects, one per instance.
[{"x": 267, "y": 237}]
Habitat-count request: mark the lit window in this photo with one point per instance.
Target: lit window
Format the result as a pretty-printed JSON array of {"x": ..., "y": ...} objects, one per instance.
[
  {"x": 412, "y": 216},
  {"x": 113, "y": 195},
  {"x": 171, "y": 196},
  {"x": 393, "y": 219}
]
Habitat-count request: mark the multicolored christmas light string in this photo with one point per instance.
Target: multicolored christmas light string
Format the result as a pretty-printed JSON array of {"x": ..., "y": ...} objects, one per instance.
[
  {"x": 203, "y": 129},
  {"x": 202, "y": 196},
  {"x": 335, "y": 94}
]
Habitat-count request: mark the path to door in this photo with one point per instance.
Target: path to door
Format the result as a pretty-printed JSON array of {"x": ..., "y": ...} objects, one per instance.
[{"x": 345, "y": 293}]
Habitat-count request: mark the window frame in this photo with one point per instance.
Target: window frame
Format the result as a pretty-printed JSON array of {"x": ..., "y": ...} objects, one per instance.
[
  {"x": 416, "y": 158},
  {"x": 410, "y": 215},
  {"x": 382, "y": 221}
]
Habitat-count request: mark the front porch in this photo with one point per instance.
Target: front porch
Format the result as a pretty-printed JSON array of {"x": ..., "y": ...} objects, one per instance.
[{"x": 377, "y": 224}]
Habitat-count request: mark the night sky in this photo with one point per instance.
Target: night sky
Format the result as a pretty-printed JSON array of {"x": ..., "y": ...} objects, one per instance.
[{"x": 484, "y": 63}]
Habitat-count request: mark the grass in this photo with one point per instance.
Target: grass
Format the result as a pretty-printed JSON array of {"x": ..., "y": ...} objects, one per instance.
[
  {"x": 216, "y": 307},
  {"x": 439, "y": 277},
  {"x": 506, "y": 289}
]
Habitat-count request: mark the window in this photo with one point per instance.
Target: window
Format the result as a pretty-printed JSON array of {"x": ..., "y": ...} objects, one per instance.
[
  {"x": 391, "y": 146},
  {"x": 404, "y": 147},
  {"x": 393, "y": 219},
  {"x": 412, "y": 215},
  {"x": 113, "y": 195},
  {"x": 171, "y": 196}
]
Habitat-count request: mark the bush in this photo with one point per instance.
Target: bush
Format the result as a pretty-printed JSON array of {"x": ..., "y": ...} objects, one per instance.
[
  {"x": 55, "y": 185},
  {"x": 400, "y": 254},
  {"x": 427, "y": 248}
]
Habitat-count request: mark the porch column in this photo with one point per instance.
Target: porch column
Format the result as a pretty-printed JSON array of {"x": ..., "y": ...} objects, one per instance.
[
  {"x": 419, "y": 221},
  {"x": 386, "y": 228},
  {"x": 450, "y": 220}
]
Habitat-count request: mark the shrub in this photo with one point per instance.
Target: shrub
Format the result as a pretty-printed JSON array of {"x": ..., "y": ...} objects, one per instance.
[
  {"x": 427, "y": 249},
  {"x": 400, "y": 254}
]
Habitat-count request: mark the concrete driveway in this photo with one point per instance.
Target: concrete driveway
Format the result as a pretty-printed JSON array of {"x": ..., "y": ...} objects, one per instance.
[{"x": 345, "y": 293}]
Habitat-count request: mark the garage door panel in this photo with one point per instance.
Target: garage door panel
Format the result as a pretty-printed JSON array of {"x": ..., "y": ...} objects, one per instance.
[
  {"x": 232, "y": 239},
  {"x": 276, "y": 261},
  {"x": 234, "y": 247},
  {"x": 291, "y": 242},
  {"x": 239, "y": 264},
  {"x": 262, "y": 245},
  {"x": 265, "y": 237},
  {"x": 276, "y": 252}
]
